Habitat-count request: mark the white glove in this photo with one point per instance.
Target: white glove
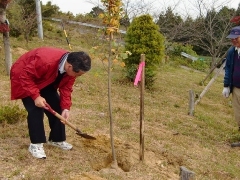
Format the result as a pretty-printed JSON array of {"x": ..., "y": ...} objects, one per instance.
[{"x": 226, "y": 92}]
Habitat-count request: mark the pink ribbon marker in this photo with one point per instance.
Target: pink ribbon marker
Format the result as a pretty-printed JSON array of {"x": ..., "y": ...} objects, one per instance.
[{"x": 139, "y": 72}]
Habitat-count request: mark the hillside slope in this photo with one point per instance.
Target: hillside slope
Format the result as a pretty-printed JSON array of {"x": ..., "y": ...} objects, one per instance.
[{"x": 172, "y": 137}]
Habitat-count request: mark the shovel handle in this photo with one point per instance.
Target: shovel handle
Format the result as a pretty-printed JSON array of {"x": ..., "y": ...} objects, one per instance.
[
  {"x": 48, "y": 107},
  {"x": 63, "y": 120}
]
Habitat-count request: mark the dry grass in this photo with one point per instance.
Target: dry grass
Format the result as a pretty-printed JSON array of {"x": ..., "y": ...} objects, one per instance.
[{"x": 172, "y": 137}]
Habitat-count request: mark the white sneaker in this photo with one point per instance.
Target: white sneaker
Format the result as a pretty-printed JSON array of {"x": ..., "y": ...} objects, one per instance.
[
  {"x": 37, "y": 150},
  {"x": 63, "y": 145}
]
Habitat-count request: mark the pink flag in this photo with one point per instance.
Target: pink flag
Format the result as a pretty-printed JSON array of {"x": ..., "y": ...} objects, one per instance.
[{"x": 139, "y": 73}]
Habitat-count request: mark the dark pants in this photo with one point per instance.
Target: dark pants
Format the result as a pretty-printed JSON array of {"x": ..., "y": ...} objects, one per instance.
[{"x": 36, "y": 115}]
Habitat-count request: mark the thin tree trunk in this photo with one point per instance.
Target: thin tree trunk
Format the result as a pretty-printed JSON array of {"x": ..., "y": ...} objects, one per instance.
[{"x": 114, "y": 163}]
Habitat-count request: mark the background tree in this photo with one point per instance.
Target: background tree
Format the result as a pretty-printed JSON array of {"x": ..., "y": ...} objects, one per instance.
[
  {"x": 143, "y": 37},
  {"x": 208, "y": 33},
  {"x": 125, "y": 21},
  {"x": 96, "y": 11},
  {"x": 22, "y": 15},
  {"x": 49, "y": 10},
  {"x": 170, "y": 25}
]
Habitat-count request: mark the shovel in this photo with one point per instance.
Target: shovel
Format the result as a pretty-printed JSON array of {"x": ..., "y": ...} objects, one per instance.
[{"x": 78, "y": 132}]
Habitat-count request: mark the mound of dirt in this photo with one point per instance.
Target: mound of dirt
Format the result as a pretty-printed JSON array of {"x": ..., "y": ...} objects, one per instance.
[{"x": 100, "y": 154}]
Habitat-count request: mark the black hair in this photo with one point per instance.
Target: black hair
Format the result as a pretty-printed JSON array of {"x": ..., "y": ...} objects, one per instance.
[{"x": 80, "y": 61}]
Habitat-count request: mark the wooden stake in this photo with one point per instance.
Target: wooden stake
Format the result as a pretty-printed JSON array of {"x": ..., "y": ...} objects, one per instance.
[
  {"x": 191, "y": 102},
  {"x": 210, "y": 83},
  {"x": 215, "y": 66},
  {"x": 142, "y": 109},
  {"x": 186, "y": 174}
]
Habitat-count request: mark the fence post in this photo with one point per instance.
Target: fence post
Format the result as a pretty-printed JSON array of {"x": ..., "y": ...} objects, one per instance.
[
  {"x": 186, "y": 174},
  {"x": 191, "y": 102}
]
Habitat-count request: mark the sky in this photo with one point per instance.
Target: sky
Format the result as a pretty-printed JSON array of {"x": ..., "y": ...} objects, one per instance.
[{"x": 179, "y": 6}]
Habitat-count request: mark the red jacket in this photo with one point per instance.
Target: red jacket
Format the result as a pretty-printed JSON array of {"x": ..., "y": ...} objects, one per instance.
[{"x": 35, "y": 70}]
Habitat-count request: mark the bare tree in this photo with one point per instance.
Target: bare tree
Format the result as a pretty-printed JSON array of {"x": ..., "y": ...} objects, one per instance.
[
  {"x": 206, "y": 30},
  {"x": 210, "y": 29},
  {"x": 23, "y": 18}
]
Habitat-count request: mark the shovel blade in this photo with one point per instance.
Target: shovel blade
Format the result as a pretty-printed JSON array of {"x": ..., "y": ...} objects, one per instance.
[{"x": 84, "y": 135}]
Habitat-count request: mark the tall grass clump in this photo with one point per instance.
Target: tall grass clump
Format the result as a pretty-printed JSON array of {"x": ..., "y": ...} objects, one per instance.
[{"x": 11, "y": 114}]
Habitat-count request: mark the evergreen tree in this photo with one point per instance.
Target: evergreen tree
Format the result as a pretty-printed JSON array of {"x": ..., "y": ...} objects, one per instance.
[
  {"x": 171, "y": 25},
  {"x": 50, "y": 9},
  {"x": 143, "y": 37}
]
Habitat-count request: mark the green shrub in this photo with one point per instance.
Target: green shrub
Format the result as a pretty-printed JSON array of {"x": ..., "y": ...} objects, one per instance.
[
  {"x": 143, "y": 37},
  {"x": 47, "y": 25},
  {"x": 200, "y": 65},
  {"x": 175, "y": 49},
  {"x": 12, "y": 114}
]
